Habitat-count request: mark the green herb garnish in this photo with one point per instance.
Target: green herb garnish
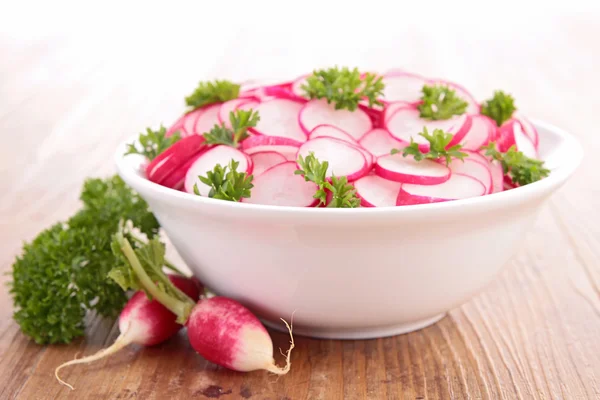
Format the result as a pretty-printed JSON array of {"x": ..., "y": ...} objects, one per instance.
[
  {"x": 500, "y": 108},
  {"x": 344, "y": 87},
  {"x": 520, "y": 168},
  {"x": 441, "y": 102},
  {"x": 241, "y": 121},
  {"x": 227, "y": 185},
  {"x": 438, "y": 147},
  {"x": 212, "y": 92},
  {"x": 153, "y": 143},
  {"x": 343, "y": 193}
]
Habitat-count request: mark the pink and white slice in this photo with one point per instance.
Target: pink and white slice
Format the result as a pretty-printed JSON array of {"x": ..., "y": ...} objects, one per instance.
[{"x": 456, "y": 188}]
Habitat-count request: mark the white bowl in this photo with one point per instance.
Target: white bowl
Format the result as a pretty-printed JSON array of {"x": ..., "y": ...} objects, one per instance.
[{"x": 353, "y": 273}]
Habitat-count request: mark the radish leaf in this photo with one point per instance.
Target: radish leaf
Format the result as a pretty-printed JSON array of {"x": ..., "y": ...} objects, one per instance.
[
  {"x": 153, "y": 143},
  {"x": 441, "y": 102},
  {"x": 520, "y": 168},
  {"x": 241, "y": 121},
  {"x": 344, "y": 87},
  {"x": 212, "y": 92},
  {"x": 500, "y": 108},
  {"x": 438, "y": 142},
  {"x": 227, "y": 185}
]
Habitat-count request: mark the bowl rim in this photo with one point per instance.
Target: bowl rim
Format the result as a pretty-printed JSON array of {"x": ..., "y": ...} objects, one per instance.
[{"x": 127, "y": 170}]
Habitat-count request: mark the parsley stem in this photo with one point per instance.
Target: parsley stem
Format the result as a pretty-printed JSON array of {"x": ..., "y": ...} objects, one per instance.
[
  {"x": 180, "y": 308},
  {"x": 168, "y": 263}
]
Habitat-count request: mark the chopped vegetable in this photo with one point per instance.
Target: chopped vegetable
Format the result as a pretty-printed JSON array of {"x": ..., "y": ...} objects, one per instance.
[
  {"x": 521, "y": 169},
  {"x": 500, "y": 108},
  {"x": 241, "y": 121},
  {"x": 153, "y": 143},
  {"x": 227, "y": 185},
  {"x": 343, "y": 194},
  {"x": 441, "y": 102},
  {"x": 344, "y": 87},
  {"x": 63, "y": 271},
  {"x": 438, "y": 142},
  {"x": 217, "y": 91}
]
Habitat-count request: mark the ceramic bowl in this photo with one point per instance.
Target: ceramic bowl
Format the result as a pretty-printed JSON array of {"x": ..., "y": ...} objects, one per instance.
[{"x": 353, "y": 273}]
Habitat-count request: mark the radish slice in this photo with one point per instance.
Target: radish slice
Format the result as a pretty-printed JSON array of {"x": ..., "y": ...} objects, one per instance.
[
  {"x": 374, "y": 191},
  {"x": 208, "y": 119},
  {"x": 406, "y": 123},
  {"x": 331, "y": 131},
  {"x": 391, "y": 108},
  {"x": 396, "y": 167},
  {"x": 473, "y": 107},
  {"x": 379, "y": 142},
  {"x": 457, "y": 187},
  {"x": 344, "y": 159},
  {"x": 284, "y": 146},
  {"x": 297, "y": 86},
  {"x": 475, "y": 169},
  {"x": 172, "y": 158},
  {"x": 208, "y": 160},
  {"x": 232, "y": 105},
  {"x": 177, "y": 178},
  {"x": 403, "y": 86},
  {"x": 279, "y": 117},
  {"x": 189, "y": 121},
  {"x": 497, "y": 177},
  {"x": 279, "y": 186},
  {"x": 528, "y": 128},
  {"x": 263, "y": 160},
  {"x": 482, "y": 131},
  {"x": 177, "y": 126},
  {"x": 317, "y": 112},
  {"x": 512, "y": 133}
]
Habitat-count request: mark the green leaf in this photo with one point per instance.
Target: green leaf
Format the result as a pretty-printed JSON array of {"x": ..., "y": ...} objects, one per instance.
[
  {"x": 217, "y": 91},
  {"x": 521, "y": 169},
  {"x": 226, "y": 183},
  {"x": 241, "y": 121},
  {"x": 344, "y": 87},
  {"x": 343, "y": 194},
  {"x": 440, "y": 102},
  {"x": 153, "y": 143},
  {"x": 438, "y": 147},
  {"x": 500, "y": 108}
]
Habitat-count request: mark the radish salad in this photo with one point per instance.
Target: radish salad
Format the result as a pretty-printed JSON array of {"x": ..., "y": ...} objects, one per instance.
[{"x": 342, "y": 138}]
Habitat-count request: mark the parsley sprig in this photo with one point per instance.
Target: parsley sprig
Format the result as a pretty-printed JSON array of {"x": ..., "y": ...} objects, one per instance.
[
  {"x": 520, "y": 168},
  {"x": 441, "y": 102},
  {"x": 344, "y": 87},
  {"x": 500, "y": 108},
  {"x": 217, "y": 91},
  {"x": 62, "y": 273},
  {"x": 438, "y": 147},
  {"x": 227, "y": 185},
  {"x": 153, "y": 143},
  {"x": 343, "y": 193},
  {"x": 241, "y": 121}
]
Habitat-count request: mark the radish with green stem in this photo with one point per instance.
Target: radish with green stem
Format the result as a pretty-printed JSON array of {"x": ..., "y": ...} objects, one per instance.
[{"x": 219, "y": 329}]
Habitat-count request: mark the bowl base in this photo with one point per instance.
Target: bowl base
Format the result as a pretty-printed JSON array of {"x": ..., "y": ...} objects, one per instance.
[{"x": 352, "y": 334}]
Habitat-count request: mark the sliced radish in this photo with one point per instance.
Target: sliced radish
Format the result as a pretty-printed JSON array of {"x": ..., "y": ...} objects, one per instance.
[
  {"x": 279, "y": 117},
  {"x": 511, "y": 133},
  {"x": 208, "y": 160},
  {"x": 396, "y": 167},
  {"x": 189, "y": 121},
  {"x": 177, "y": 178},
  {"x": 344, "y": 158},
  {"x": 232, "y": 105},
  {"x": 457, "y": 187},
  {"x": 279, "y": 186},
  {"x": 473, "y": 107},
  {"x": 317, "y": 112},
  {"x": 297, "y": 86},
  {"x": 482, "y": 131},
  {"x": 208, "y": 119},
  {"x": 284, "y": 146},
  {"x": 374, "y": 191},
  {"x": 331, "y": 131},
  {"x": 528, "y": 128},
  {"x": 406, "y": 123},
  {"x": 263, "y": 160},
  {"x": 177, "y": 126},
  {"x": 391, "y": 108},
  {"x": 497, "y": 177},
  {"x": 473, "y": 166},
  {"x": 379, "y": 142},
  {"x": 172, "y": 158},
  {"x": 403, "y": 86}
]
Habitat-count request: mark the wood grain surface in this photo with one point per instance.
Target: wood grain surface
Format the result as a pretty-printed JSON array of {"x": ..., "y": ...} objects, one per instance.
[{"x": 76, "y": 81}]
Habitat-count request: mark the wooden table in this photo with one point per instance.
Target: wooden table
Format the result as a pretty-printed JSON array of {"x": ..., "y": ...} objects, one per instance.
[{"x": 71, "y": 88}]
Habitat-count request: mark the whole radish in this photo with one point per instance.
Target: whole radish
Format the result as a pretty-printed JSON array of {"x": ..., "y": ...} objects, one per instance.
[
  {"x": 143, "y": 321},
  {"x": 219, "y": 329}
]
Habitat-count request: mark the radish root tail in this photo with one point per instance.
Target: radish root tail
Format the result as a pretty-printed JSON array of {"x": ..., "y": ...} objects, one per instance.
[
  {"x": 121, "y": 342},
  {"x": 288, "y": 364}
]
